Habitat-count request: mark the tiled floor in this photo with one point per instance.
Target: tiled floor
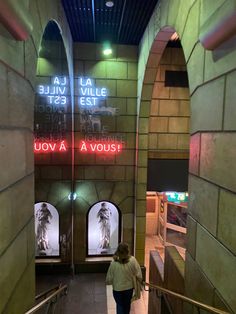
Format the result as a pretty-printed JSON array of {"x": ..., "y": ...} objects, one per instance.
[{"x": 86, "y": 292}]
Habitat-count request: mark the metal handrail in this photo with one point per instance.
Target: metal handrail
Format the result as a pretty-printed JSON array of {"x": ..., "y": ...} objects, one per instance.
[
  {"x": 48, "y": 299},
  {"x": 186, "y": 299},
  {"x": 44, "y": 293}
]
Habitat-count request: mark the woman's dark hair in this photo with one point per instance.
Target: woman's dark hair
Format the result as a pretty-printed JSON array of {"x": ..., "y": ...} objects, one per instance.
[{"x": 122, "y": 253}]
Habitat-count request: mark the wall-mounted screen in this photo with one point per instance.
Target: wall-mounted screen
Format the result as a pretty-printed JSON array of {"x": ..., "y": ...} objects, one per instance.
[
  {"x": 103, "y": 229},
  {"x": 46, "y": 230}
]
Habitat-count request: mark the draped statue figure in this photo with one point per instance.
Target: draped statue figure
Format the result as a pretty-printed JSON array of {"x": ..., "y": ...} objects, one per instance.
[
  {"x": 43, "y": 215},
  {"x": 103, "y": 216}
]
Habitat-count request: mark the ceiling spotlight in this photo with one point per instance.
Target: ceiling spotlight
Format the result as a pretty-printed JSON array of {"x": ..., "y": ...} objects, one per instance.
[
  {"x": 109, "y": 4},
  {"x": 106, "y": 48},
  {"x": 107, "y": 51}
]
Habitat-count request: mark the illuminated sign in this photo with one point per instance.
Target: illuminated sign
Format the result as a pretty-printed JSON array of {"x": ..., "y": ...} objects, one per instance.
[
  {"x": 176, "y": 197},
  {"x": 89, "y": 94},
  {"x": 55, "y": 93},
  {"x": 100, "y": 147},
  {"x": 49, "y": 147},
  {"x": 92, "y": 106}
]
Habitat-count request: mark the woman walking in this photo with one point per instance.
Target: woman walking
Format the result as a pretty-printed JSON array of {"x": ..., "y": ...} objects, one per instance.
[{"x": 124, "y": 270}]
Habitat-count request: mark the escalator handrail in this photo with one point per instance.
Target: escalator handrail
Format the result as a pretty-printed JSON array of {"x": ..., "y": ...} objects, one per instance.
[
  {"x": 186, "y": 299},
  {"x": 48, "y": 299}
]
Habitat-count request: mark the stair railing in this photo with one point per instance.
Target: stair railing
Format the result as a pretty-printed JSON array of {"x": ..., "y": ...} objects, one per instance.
[
  {"x": 198, "y": 305},
  {"x": 50, "y": 299}
]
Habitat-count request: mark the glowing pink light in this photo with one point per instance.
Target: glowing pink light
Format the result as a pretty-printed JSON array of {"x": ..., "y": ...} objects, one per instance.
[
  {"x": 49, "y": 147},
  {"x": 100, "y": 147}
]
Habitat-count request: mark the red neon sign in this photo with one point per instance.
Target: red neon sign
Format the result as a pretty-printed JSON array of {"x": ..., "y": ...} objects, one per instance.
[
  {"x": 100, "y": 147},
  {"x": 49, "y": 147}
]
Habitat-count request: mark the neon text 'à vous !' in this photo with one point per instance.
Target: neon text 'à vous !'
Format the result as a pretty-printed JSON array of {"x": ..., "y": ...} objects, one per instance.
[{"x": 96, "y": 147}]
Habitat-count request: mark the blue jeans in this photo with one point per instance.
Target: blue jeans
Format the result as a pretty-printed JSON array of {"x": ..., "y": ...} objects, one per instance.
[{"x": 123, "y": 301}]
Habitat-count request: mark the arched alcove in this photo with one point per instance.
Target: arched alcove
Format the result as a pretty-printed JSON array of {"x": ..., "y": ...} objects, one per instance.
[
  {"x": 46, "y": 230},
  {"x": 103, "y": 229}
]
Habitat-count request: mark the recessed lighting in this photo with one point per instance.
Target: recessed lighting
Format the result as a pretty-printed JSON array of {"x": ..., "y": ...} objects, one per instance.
[{"x": 109, "y": 4}]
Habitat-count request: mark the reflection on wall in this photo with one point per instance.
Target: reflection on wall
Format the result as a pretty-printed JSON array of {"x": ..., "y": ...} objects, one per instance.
[
  {"x": 93, "y": 108},
  {"x": 51, "y": 114},
  {"x": 46, "y": 230},
  {"x": 103, "y": 229}
]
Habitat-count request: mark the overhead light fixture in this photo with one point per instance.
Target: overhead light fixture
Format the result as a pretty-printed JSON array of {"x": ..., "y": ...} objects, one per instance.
[
  {"x": 107, "y": 51},
  {"x": 109, "y": 4}
]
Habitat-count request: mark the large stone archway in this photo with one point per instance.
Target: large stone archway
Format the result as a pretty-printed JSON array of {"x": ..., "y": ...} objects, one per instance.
[
  {"x": 211, "y": 231},
  {"x": 17, "y": 75}
]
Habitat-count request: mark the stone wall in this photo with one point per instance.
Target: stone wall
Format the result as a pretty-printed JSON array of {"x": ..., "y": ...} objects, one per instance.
[
  {"x": 174, "y": 277},
  {"x": 169, "y": 275},
  {"x": 102, "y": 176},
  {"x": 156, "y": 277},
  {"x": 169, "y": 110},
  {"x": 17, "y": 75},
  {"x": 210, "y": 260}
]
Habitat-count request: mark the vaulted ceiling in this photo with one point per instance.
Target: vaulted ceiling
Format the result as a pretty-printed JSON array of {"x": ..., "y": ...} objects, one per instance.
[{"x": 93, "y": 21}]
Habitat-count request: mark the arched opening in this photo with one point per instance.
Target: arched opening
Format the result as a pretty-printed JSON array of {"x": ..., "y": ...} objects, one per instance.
[
  {"x": 53, "y": 137},
  {"x": 166, "y": 110}
]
